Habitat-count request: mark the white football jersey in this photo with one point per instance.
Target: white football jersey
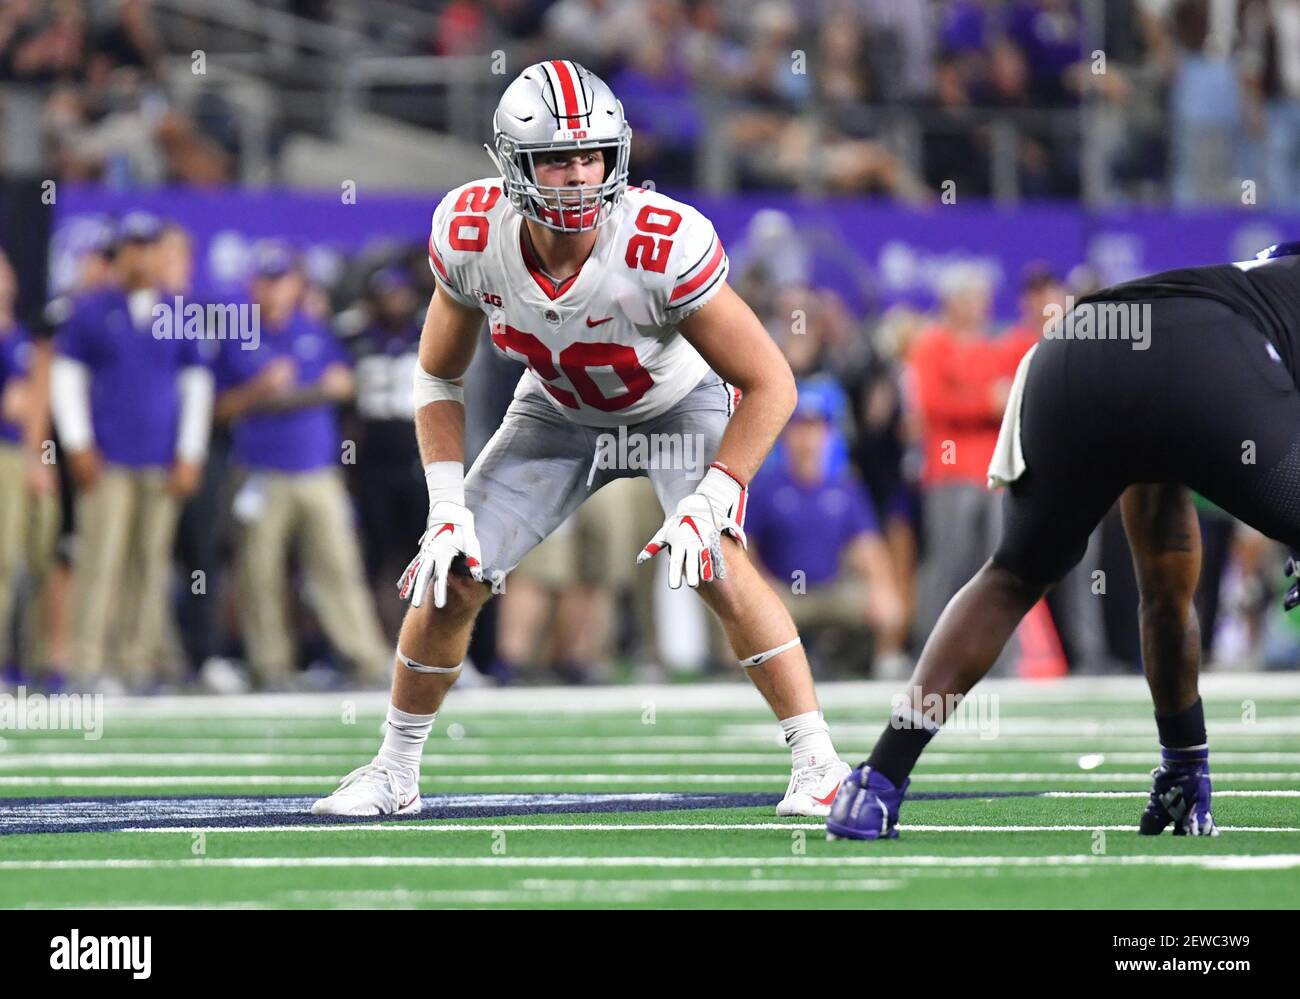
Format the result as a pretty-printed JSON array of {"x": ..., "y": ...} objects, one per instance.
[{"x": 603, "y": 344}]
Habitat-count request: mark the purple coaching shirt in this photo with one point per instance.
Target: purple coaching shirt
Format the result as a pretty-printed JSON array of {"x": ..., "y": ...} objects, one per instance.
[
  {"x": 802, "y": 526},
  {"x": 15, "y": 364},
  {"x": 134, "y": 400},
  {"x": 298, "y": 440}
]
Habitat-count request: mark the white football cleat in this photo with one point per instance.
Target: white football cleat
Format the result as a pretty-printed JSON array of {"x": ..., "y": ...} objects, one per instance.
[
  {"x": 374, "y": 789},
  {"x": 812, "y": 789}
]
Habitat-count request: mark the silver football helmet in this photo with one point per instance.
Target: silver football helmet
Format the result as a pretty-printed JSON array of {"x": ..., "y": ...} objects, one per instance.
[{"x": 559, "y": 105}]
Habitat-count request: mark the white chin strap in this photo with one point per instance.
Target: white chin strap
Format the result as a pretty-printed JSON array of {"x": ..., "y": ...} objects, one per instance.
[
  {"x": 763, "y": 657},
  {"x": 411, "y": 664}
]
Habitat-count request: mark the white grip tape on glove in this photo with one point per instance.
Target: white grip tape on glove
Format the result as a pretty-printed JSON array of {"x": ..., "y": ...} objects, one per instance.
[{"x": 430, "y": 388}]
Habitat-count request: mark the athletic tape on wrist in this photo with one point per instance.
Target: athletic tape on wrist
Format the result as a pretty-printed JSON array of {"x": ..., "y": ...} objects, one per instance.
[
  {"x": 445, "y": 481},
  {"x": 411, "y": 664},
  {"x": 763, "y": 657}
]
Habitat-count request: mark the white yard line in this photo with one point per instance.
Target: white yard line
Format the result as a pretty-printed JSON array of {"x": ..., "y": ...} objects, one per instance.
[
  {"x": 1224, "y": 861},
  {"x": 427, "y": 780},
  {"x": 711, "y": 780},
  {"x": 958, "y": 747},
  {"x": 49, "y": 761},
  {"x": 536, "y": 890},
  {"x": 1010, "y": 725},
  {"x": 1218, "y": 793},
  {"x": 111, "y": 755},
  {"x": 736, "y": 696},
  {"x": 1078, "y": 828},
  {"x": 921, "y": 776},
  {"x": 816, "y": 825},
  {"x": 813, "y": 824}
]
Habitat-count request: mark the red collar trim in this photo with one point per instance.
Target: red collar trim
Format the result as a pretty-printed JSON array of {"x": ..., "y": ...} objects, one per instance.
[{"x": 543, "y": 280}]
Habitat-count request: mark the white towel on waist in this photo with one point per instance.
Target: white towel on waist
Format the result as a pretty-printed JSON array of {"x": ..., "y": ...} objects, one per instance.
[{"x": 1008, "y": 462}]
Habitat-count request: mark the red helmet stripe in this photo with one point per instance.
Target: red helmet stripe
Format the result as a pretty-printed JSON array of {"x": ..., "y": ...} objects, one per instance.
[
  {"x": 584, "y": 103},
  {"x": 568, "y": 91}
]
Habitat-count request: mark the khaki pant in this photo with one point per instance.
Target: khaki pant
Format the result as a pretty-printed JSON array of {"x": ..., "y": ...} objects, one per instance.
[
  {"x": 599, "y": 543},
  {"x": 841, "y": 602},
  {"x": 831, "y": 619},
  {"x": 308, "y": 511},
  {"x": 963, "y": 522},
  {"x": 29, "y": 532},
  {"x": 125, "y": 529},
  {"x": 596, "y": 547}
]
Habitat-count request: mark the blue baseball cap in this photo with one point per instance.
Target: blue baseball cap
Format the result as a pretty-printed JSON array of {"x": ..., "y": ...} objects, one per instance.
[
  {"x": 93, "y": 235},
  {"x": 88, "y": 234},
  {"x": 818, "y": 400},
  {"x": 139, "y": 227},
  {"x": 390, "y": 279},
  {"x": 273, "y": 258}
]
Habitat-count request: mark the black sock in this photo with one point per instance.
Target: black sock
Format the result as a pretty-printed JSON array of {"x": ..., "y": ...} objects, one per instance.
[
  {"x": 1187, "y": 728},
  {"x": 898, "y": 749}
]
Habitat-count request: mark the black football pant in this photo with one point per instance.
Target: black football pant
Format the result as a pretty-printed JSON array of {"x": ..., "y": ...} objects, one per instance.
[{"x": 1207, "y": 404}]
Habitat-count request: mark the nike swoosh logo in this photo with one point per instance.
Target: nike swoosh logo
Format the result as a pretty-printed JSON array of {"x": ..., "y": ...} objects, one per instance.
[
  {"x": 445, "y": 529},
  {"x": 598, "y": 322},
  {"x": 409, "y": 800},
  {"x": 829, "y": 798}
]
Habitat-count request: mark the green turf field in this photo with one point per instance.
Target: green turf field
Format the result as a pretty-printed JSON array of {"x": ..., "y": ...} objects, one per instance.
[{"x": 1052, "y": 778}]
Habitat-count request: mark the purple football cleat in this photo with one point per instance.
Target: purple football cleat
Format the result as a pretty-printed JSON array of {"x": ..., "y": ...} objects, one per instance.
[
  {"x": 1180, "y": 795},
  {"x": 866, "y": 807}
]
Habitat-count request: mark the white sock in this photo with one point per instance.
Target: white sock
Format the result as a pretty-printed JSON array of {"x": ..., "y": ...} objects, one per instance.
[
  {"x": 404, "y": 738},
  {"x": 809, "y": 739}
]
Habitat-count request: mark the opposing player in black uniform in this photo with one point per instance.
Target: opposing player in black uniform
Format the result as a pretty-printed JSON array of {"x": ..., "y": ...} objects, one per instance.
[
  {"x": 1200, "y": 390},
  {"x": 389, "y": 480}
]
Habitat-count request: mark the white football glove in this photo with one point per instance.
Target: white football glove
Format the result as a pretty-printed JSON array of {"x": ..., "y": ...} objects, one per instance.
[
  {"x": 693, "y": 532},
  {"x": 450, "y": 532}
]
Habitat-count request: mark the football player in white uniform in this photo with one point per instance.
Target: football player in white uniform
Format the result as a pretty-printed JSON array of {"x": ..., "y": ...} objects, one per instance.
[{"x": 616, "y": 300}]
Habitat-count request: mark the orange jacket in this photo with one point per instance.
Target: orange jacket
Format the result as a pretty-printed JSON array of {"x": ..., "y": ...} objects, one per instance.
[{"x": 954, "y": 379}]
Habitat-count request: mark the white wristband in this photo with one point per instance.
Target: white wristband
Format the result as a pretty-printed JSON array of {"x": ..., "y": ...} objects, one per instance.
[
  {"x": 429, "y": 388},
  {"x": 446, "y": 482}
]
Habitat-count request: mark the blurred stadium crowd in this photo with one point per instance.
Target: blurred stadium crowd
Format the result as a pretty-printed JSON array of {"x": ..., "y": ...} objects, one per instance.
[
  {"x": 226, "y": 516},
  {"x": 255, "y": 506},
  {"x": 1102, "y": 99}
]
